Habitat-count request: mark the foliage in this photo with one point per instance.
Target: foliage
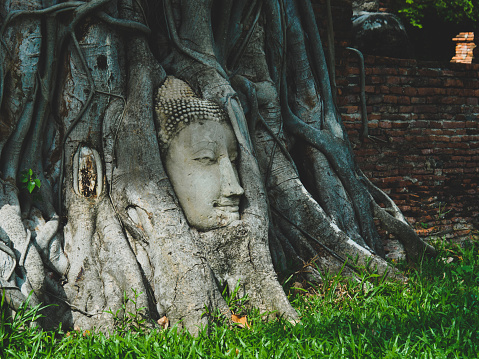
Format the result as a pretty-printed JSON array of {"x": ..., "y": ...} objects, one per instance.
[
  {"x": 29, "y": 180},
  {"x": 239, "y": 306},
  {"x": 454, "y": 11},
  {"x": 433, "y": 315},
  {"x": 236, "y": 302},
  {"x": 18, "y": 330},
  {"x": 129, "y": 321}
]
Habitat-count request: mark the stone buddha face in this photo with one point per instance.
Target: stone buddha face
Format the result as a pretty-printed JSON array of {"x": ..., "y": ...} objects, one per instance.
[
  {"x": 201, "y": 166},
  {"x": 199, "y": 150}
]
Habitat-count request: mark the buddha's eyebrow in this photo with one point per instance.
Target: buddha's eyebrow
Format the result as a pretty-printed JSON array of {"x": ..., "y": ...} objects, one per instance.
[{"x": 204, "y": 144}]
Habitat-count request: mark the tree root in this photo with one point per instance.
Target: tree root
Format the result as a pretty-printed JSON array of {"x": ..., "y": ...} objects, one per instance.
[{"x": 395, "y": 222}]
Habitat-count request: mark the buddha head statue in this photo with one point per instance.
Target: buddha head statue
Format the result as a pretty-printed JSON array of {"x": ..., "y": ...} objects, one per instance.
[{"x": 199, "y": 151}]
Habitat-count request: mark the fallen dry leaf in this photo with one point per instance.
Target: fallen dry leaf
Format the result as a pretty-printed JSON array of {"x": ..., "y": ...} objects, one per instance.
[
  {"x": 163, "y": 322},
  {"x": 241, "y": 321},
  {"x": 297, "y": 285}
]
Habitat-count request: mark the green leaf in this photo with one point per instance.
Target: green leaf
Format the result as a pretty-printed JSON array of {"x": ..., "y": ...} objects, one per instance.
[
  {"x": 30, "y": 172},
  {"x": 31, "y": 186},
  {"x": 37, "y": 182}
]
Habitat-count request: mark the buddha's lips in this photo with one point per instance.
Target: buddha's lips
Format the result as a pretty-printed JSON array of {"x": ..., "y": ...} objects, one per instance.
[{"x": 228, "y": 208}]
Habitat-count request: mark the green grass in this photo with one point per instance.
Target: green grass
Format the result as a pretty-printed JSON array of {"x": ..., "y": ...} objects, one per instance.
[{"x": 434, "y": 315}]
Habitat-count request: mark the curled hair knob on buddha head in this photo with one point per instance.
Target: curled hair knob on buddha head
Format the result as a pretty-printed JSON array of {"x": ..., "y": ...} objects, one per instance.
[{"x": 177, "y": 106}]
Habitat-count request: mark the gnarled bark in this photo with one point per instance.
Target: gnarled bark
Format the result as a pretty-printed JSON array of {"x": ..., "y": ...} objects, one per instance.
[{"x": 78, "y": 89}]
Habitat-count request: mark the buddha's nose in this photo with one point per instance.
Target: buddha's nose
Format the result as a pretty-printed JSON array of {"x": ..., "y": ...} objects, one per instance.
[{"x": 230, "y": 185}]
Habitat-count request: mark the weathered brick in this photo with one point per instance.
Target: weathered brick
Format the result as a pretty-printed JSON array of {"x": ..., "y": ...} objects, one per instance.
[
  {"x": 454, "y": 124},
  {"x": 375, "y": 99},
  {"x": 410, "y": 91},
  {"x": 425, "y": 109},
  {"x": 390, "y": 99},
  {"x": 406, "y": 109},
  {"x": 375, "y": 80},
  {"x": 388, "y": 109},
  {"x": 393, "y": 79},
  {"x": 425, "y": 91},
  {"x": 455, "y": 92},
  {"x": 448, "y": 100},
  {"x": 397, "y": 90},
  {"x": 418, "y": 100},
  {"x": 385, "y": 124},
  {"x": 473, "y": 101},
  {"x": 404, "y": 100},
  {"x": 431, "y": 133},
  {"x": 352, "y": 70},
  {"x": 429, "y": 72},
  {"x": 435, "y": 82},
  {"x": 350, "y": 109},
  {"x": 453, "y": 83}
]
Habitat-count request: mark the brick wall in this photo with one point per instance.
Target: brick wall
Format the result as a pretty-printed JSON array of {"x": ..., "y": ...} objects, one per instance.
[
  {"x": 424, "y": 150},
  {"x": 464, "y": 47}
]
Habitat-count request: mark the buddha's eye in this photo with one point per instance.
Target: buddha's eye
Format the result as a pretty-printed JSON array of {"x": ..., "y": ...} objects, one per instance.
[{"x": 206, "y": 157}]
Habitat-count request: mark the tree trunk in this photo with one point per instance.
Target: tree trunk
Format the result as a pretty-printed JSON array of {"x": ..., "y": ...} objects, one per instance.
[{"x": 92, "y": 96}]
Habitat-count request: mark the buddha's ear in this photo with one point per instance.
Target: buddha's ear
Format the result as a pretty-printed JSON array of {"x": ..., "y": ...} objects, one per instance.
[{"x": 239, "y": 124}]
